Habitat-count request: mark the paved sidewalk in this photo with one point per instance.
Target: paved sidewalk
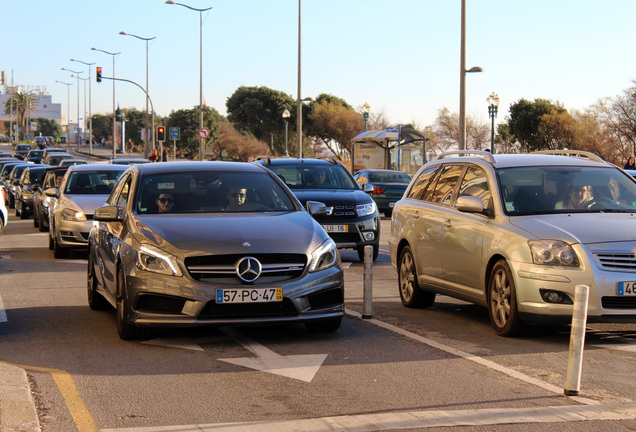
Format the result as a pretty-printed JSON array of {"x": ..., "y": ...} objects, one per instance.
[{"x": 17, "y": 408}]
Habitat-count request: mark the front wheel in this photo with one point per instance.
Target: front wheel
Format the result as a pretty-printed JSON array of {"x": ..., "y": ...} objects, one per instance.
[
  {"x": 410, "y": 293},
  {"x": 95, "y": 300},
  {"x": 126, "y": 330},
  {"x": 23, "y": 211},
  {"x": 502, "y": 301}
]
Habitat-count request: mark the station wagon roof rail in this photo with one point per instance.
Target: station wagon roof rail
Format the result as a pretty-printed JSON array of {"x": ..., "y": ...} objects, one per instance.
[
  {"x": 575, "y": 153},
  {"x": 480, "y": 153}
]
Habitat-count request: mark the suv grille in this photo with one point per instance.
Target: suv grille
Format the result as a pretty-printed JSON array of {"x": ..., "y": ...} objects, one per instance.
[
  {"x": 616, "y": 261},
  {"x": 342, "y": 211},
  {"x": 221, "y": 269}
]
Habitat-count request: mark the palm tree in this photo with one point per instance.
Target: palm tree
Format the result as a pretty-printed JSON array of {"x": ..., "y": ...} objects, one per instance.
[{"x": 22, "y": 105}]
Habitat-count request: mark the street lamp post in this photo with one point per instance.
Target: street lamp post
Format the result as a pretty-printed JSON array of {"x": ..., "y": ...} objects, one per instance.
[
  {"x": 201, "y": 143},
  {"x": 90, "y": 114},
  {"x": 68, "y": 97},
  {"x": 84, "y": 125},
  {"x": 462, "y": 80},
  {"x": 146, "y": 133},
  {"x": 114, "y": 122},
  {"x": 286, "y": 116},
  {"x": 493, "y": 104},
  {"x": 77, "y": 75},
  {"x": 365, "y": 114}
]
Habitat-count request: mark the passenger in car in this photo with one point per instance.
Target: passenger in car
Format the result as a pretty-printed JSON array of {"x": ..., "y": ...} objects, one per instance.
[
  {"x": 576, "y": 197},
  {"x": 165, "y": 203},
  {"x": 235, "y": 197}
]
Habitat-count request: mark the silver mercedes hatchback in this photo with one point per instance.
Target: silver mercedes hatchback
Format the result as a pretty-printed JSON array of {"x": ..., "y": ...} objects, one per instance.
[
  {"x": 516, "y": 234},
  {"x": 182, "y": 244}
]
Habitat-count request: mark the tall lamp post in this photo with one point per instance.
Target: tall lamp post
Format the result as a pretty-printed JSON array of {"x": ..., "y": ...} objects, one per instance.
[
  {"x": 493, "y": 104},
  {"x": 462, "y": 80},
  {"x": 77, "y": 75},
  {"x": 365, "y": 114},
  {"x": 286, "y": 116},
  {"x": 201, "y": 144},
  {"x": 68, "y": 96},
  {"x": 114, "y": 121},
  {"x": 90, "y": 114},
  {"x": 146, "y": 133},
  {"x": 84, "y": 118}
]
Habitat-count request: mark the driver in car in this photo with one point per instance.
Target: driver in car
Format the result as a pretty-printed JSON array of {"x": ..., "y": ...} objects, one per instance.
[{"x": 576, "y": 197}]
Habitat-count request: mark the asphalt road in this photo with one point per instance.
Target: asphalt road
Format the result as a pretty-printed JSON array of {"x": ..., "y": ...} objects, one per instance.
[{"x": 401, "y": 370}]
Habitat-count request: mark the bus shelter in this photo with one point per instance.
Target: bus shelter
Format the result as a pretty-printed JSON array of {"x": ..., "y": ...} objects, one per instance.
[{"x": 400, "y": 147}]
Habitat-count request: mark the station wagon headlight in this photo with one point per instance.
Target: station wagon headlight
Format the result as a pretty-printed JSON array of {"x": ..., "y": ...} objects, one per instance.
[
  {"x": 69, "y": 214},
  {"x": 325, "y": 256},
  {"x": 157, "y": 261},
  {"x": 553, "y": 252},
  {"x": 365, "y": 209}
]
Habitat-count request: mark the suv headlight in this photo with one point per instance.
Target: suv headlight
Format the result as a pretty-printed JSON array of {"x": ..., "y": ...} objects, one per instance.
[
  {"x": 325, "y": 256},
  {"x": 365, "y": 209},
  {"x": 70, "y": 214},
  {"x": 553, "y": 252},
  {"x": 157, "y": 261}
]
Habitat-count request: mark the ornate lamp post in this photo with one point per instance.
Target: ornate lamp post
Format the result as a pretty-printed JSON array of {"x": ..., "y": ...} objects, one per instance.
[
  {"x": 201, "y": 144},
  {"x": 365, "y": 114},
  {"x": 146, "y": 132},
  {"x": 286, "y": 115},
  {"x": 493, "y": 104}
]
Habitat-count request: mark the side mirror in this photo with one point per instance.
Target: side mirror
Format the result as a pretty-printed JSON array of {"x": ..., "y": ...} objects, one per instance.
[
  {"x": 316, "y": 208},
  {"x": 367, "y": 188},
  {"x": 470, "y": 204},
  {"x": 52, "y": 192},
  {"x": 111, "y": 213}
]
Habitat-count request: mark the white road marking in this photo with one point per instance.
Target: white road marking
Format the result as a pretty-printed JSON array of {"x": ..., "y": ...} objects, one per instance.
[
  {"x": 300, "y": 367},
  {"x": 413, "y": 420}
]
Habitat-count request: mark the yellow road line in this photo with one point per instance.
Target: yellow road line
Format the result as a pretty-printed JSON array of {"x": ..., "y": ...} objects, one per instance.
[{"x": 72, "y": 398}]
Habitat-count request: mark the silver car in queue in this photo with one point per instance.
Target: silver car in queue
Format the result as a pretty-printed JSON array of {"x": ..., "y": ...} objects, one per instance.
[{"x": 204, "y": 261}]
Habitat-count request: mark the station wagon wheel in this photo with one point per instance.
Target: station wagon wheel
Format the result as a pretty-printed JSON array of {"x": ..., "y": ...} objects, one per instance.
[
  {"x": 410, "y": 293},
  {"x": 125, "y": 330},
  {"x": 95, "y": 300},
  {"x": 502, "y": 301},
  {"x": 23, "y": 212}
]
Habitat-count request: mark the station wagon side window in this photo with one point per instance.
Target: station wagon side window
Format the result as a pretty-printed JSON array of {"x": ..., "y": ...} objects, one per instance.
[
  {"x": 420, "y": 184},
  {"x": 446, "y": 184},
  {"x": 475, "y": 183}
]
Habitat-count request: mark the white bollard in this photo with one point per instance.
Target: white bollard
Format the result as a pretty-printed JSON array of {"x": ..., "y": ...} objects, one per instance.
[
  {"x": 577, "y": 340},
  {"x": 367, "y": 311}
]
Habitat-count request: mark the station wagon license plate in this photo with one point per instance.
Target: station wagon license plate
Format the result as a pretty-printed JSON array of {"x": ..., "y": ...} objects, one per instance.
[
  {"x": 627, "y": 288},
  {"x": 249, "y": 295},
  {"x": 336, "y": 228}
]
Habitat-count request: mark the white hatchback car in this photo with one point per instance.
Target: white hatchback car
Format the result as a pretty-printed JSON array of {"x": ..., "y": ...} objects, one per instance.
[{"x": 516, "y": 234}]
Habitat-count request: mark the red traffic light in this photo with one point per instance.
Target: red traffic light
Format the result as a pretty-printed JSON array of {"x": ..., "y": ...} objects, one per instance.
[
  {"x": 161, "y": 133},
  {"x": 99, "y": 74}
]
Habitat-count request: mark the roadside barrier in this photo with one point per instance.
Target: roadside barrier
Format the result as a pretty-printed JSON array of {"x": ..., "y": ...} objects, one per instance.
[
  {"x": 367, "y": 312},
  {"x": 577, "y": 340}
]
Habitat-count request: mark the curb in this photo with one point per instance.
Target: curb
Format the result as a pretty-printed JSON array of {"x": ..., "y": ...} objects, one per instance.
[{"x": 17, "y": 408}]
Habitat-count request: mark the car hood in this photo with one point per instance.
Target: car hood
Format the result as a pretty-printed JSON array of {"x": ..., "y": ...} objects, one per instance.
[
  {"x": 333, "y": 197},
  {"x": 583, "y": 228},
  {"x": 233, "y": 233},
  {"x": 88, "y": 203}
]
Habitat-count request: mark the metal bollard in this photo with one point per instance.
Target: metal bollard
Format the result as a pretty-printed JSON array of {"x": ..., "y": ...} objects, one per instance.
[
  {"x": 577, "y": 340},
  {"x": 367, "y": 312}
]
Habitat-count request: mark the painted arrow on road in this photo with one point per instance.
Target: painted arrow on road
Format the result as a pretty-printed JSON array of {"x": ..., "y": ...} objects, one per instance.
[{"x": 300, "y": 367}]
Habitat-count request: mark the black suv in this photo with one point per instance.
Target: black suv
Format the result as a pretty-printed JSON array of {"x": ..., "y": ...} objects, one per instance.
[{"x": 352, "y": 218}]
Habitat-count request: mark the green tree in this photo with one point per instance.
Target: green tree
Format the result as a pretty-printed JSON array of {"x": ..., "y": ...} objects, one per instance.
[
  {"x": 540, "y": 125},
  {"x": 259, "y": 111},
  {"x": 335, "y": 124},
  {"x": 103, "y": 127},
  {"x": 49, "y": 127},
  {"x": 21, "y": 105},
  {"x": 188, "y": 122}
]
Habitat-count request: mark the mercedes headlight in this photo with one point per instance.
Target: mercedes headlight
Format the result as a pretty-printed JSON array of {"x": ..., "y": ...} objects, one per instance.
[
  {"x": 69, "y": 214},
  {"x": 553, "y": 252},
  {"x": 365, "y": 209},
  {"x": 157, "y": 261},
  {"x": 325, "y": 256}
]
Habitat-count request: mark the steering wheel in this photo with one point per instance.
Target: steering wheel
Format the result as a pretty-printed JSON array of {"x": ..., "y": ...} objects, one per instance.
[{"x": 601, "y": 203}]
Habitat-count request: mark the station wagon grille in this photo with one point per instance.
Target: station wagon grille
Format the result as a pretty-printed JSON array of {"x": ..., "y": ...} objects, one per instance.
[
  {"x": 616, "y": 261},
  {"x": 221, "y": 269}
]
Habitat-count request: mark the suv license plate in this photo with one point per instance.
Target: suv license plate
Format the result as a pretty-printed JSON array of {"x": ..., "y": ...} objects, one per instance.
[
  {"x": 336, "y": 228},
  {"x": 249, "y": 295},
  {"x": 627, "y": 288}
]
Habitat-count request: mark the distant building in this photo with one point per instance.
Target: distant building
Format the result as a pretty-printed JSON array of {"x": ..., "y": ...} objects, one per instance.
[{"x": 45, "y": 106}]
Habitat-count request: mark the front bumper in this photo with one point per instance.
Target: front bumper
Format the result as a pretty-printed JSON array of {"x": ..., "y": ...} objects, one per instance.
[
  {"x": 72, "y": 233},
  {"x": 359, "y": 232}
]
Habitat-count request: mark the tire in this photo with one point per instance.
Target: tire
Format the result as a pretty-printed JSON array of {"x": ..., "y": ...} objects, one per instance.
[
  {"x": 23, "y": 213},
  {"x": 502, "y": 301},
  {"x": 59, "y": 251},
  {"x": 410, "y": 293},
  {"x": 376, "y": 250},
  {"x": 41, "y": 226},
  {"x": 95, "y": 300},
  {"x": 324, "y": 326},
  {"x": 36, "y": 220},
  {"x": 11, "y": 202},
  {"x": 388, "y": 213},
  {"x": 126, "y": 330},
  {"x": 51, "y": 243},
  {"x": 17, "y": 210}
]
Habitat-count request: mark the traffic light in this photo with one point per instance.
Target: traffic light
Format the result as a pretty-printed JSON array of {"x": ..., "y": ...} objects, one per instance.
[
  {"x": 99, "y": 74},
  {"x": 161, "y": 133}
]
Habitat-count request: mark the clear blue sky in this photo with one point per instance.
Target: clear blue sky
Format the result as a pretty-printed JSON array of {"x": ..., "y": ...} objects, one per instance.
[{"x": 400, "y": 56}]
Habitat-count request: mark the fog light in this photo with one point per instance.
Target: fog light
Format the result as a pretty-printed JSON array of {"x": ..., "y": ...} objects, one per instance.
[
  {"x": 368, "y": 236},
  {"x": 557, "y": 297},
  {"x": 554, "y": 297}
]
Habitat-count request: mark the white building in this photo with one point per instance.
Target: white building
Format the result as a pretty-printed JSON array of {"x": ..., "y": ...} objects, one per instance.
[{"x": 45, "y": 106}]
